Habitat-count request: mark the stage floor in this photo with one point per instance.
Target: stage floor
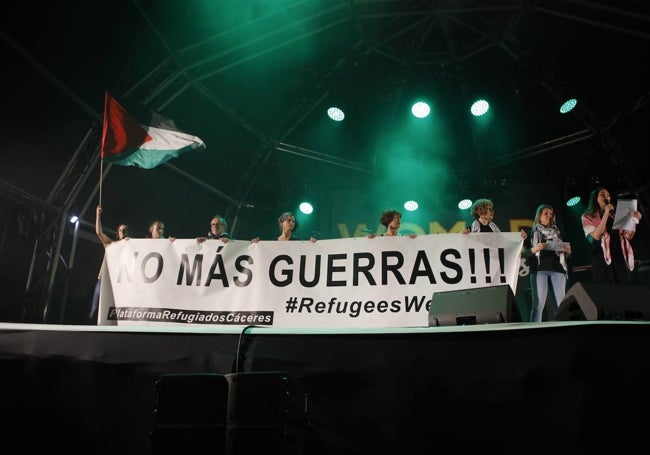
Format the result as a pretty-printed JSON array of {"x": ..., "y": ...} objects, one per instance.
[{"x": 552, "y": 387}]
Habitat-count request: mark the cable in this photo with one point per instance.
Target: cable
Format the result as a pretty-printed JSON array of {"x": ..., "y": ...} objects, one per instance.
[{"x": 239, "y": 345}]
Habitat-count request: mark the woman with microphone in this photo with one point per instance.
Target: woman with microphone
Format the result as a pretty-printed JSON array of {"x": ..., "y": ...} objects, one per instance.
[{"x": 612, "y": 257}]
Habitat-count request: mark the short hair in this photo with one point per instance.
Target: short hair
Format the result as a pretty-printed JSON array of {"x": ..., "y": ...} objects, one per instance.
[
  {"x": 479, "y": 206},
  {"x": 388, "y": 216},
  {"x": 221, "y": 219},
  {"x": 286, "y": 215}
]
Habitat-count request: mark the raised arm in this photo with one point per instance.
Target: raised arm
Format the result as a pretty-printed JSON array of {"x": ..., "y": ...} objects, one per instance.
[{"x": 106, "y": 240}]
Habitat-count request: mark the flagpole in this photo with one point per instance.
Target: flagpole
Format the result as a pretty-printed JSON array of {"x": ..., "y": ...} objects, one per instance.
[
  {"x": 101, "y": 177},
  {"x": 107, "y": 98}
]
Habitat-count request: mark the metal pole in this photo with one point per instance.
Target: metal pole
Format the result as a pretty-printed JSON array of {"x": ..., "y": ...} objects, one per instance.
[
  {"x": 55, "y": 264},
  {"x": 73, "y": 249}
]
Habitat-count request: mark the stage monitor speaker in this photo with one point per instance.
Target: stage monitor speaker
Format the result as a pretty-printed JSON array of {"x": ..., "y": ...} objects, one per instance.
[
  {"x": 189, "y": 414},
  {"x": 592, "y": 302},
  {"x": 266, "y": 414},
  {"x": 487, "y": 305}
]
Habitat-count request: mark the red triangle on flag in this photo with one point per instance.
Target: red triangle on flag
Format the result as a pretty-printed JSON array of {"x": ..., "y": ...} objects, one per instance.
[{"x": 121, "y": 132}]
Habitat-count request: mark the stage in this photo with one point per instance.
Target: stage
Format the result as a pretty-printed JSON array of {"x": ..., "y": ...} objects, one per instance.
[{"x": 574, "y": 387}]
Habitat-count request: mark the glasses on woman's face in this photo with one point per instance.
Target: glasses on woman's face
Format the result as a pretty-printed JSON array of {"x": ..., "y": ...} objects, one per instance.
[{"x": 216, "y": 224}]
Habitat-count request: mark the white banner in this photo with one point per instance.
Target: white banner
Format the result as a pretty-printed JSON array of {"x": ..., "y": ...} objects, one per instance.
[{"x": 353, "y": 283}]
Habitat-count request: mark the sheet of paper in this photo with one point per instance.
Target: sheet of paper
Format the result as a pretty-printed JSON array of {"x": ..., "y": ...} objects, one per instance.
[
  {"x": 554, "y": 245},
  {"x": 623, "y": 219}
]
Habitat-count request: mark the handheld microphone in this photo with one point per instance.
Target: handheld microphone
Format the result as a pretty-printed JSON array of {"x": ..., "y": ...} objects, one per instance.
[{"x": 612, "y": 214}]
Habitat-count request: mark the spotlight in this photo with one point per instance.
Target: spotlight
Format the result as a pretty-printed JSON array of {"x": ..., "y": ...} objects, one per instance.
[
  {"x": 74, "y": 219},
  {"x": 465, "y": 204},
  {"x": 480, "y": 107},
  {"x": 568, "y": 105},
  {"x": 336, "y": 114},
  {"x": 411, "y": 206},
  {"x": 573, "y": 201},
  {"x": 420, "y": 109},
  {"x": 306, "y": 208}
]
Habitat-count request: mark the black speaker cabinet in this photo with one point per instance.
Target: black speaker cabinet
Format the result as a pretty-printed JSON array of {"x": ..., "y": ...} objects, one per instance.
[
  {"x": 485, "y": 305},
  {"x": 189, "y": 414},
  {"x": 592, "y": 302},
  {"x": 266, "y": 414}
]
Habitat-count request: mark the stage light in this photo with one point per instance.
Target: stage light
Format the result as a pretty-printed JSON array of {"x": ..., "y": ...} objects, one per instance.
[
  {"x": 420, "y": 109},
  {"x": 568, "y": 105},
  {"x": 411, "y": 206},
  {"x": 336, "y": 114},
  {"x": 573, "y": 201},
  {"x": 465, "y": 204},
  {"x": 480, "y": 107},
  {"x": 306, "y": 208},
  {"x": 74, "y": 219}
]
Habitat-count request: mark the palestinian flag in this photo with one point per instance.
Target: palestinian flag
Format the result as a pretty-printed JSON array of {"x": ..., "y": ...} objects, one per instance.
[{"x": 141, "y": 137}]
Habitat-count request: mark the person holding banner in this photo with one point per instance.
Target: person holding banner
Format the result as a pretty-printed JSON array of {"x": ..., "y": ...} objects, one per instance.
[
  {"x": 391, "y": 220},
  {"x": 287, "y": 223},
  {"x": 156, "y": 230},
  {"x": 122, "y": 234},
  {"x": 550, "y": 253},
  {"x": 218, "y": 226},
  {"x": 612, "y": 256},
  {"x": 483, "y": 214}
]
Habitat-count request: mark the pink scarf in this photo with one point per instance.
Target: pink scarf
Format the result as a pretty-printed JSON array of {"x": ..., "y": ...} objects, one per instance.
[{"x": 628, "y": 253}]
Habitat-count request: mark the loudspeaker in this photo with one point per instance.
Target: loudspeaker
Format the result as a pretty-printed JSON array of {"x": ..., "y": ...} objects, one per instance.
[
  {"x": 233, "y": 414},
  {"x": 592, "y": 302},
  {"x": 266, "y": 414},
  {"x": 189, "y": 414},
  {"x": 488, "y": 305}
]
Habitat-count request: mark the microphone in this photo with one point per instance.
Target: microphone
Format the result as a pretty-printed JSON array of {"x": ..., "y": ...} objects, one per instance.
[{"x": 612, "y": 214}]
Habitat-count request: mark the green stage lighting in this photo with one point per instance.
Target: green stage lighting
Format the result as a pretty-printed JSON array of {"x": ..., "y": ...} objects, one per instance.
[
  {"x": 411, "y": 206},
  {"x": 573, "y": 201},
  {"x": 568, "y": 105},
  {"x": 480, "y": 107},
  {"x": 306, "y": 208},
  {"x": 420, "y": 109},
  {"x": 336, "y": 114}
]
